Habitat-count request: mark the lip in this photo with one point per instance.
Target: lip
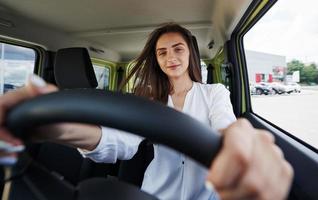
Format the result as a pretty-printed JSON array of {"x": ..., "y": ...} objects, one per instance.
[{"x": 173, "y": 66}]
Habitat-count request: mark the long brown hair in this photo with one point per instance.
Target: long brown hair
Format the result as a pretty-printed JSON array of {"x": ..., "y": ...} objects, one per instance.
[{"x": 150, "y": 81}]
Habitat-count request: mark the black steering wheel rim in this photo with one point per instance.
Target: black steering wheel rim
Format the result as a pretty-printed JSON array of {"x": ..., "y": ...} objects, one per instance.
[{"x": 155, "y": 121}]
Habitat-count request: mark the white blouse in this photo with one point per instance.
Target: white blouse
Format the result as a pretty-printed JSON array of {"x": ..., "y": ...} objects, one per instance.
[{"x": 171, "y": 175}]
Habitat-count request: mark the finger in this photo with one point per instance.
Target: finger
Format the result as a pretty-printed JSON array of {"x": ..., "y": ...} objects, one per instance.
[
  {"x": 243, "y": 123},
  {"x": 252, "y": 187},
  {"x": 9, "y": 148},
  {"x": 287, "y": 174},
  {"x": 252, "y": 184},
  {"x": 34, "y": 87},
  {"x": 238, "y": 124},
  {"x": 231, "y": 194},
  {"x": 234, "y": 157},
  {"x": 288, "y": 170},
  {"x": 249, "y": 188},
  {"x": 227, "y": 168},
  {"x": 5, "y": 154},
  {"x": 7, "y": 137},
  {"x": 266, "y": 136},
  {"x": 277, "y": 151},
  {"x": 8, "y": 160},
  {"x": 256, "y": 178}
]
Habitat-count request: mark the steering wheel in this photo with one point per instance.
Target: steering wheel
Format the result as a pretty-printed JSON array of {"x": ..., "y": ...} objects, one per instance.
[{"x": 152, "y": 120}]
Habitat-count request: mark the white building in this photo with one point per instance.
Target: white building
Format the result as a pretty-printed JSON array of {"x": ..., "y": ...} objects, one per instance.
[{"x": 265, "y": 67}]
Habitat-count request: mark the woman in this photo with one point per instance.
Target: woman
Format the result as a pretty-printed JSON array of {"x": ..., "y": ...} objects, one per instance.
[{"x": 166, "y": 71}]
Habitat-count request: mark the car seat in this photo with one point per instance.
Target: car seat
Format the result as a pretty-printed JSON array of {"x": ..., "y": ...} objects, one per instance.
[{"x": 72, "y": 69}]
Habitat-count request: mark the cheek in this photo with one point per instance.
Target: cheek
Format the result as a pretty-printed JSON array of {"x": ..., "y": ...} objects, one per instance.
[
  {"x": 185, "y": 60},
  {"x": 161, "y": 64}
]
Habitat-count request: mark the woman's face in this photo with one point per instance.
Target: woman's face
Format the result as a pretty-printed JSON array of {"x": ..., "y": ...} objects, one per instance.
[{"x": 172, "y": 54}]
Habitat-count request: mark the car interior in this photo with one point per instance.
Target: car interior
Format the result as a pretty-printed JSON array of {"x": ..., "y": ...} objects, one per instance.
[{"x": 70, "y": 38}]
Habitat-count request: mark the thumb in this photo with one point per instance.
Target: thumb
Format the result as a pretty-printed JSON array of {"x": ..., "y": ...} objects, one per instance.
[{"x": 36, "y": 86}]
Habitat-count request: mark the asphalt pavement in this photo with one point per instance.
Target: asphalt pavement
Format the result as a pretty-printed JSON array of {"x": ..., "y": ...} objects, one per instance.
[{"x": 296, "y": 113}]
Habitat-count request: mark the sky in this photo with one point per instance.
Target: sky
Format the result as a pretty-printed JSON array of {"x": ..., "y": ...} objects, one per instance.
[{"x": 289, "y": 28}]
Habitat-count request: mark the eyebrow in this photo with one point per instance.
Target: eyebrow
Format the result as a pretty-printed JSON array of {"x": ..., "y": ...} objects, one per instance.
[{"x": 177, "y": 44}]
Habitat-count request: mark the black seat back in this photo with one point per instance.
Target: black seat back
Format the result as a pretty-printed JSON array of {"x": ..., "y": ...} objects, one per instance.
[{"x": 73, "y": 69}]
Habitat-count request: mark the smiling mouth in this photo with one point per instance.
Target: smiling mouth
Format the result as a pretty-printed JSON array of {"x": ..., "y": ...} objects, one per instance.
[{"x": 173, "y": 66}]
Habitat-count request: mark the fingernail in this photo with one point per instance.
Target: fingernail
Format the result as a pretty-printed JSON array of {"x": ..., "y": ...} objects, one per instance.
[
  {"x": 9, "y": 148},
  {"x": 209, "y": 186},
  {"x": 9, "y": 160},
  {"x": 15, "y": 149},
  {"x": 37, "y": 81}
]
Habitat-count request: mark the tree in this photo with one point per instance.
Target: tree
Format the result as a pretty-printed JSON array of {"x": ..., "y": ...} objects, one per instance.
[
  {"x": 311, "y": 73},
  {"x": 308, "y": 74},
  {"x": 295, "y": 65}
]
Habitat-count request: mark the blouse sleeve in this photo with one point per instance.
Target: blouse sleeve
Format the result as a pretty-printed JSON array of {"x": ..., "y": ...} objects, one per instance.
[
  {"x": 114, "y": 145},
  {"x": 221, "y": 111}
]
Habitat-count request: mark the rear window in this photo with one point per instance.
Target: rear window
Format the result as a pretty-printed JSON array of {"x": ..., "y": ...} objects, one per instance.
[
  {"x": 102, "y": 76},
  {"x": 204, "y": 72}
]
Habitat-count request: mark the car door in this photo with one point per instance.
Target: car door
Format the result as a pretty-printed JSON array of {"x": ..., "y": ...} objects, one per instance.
[{"x": 290, "y": 117}]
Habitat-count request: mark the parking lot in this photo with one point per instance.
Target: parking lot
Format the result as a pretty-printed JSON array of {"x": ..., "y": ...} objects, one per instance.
[{"x": 296, "y": 112}]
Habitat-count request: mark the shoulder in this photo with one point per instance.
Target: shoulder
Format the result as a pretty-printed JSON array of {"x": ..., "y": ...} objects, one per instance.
[
  {"x": 212, "y": 89},
  {"x": 211, "y": 94}
]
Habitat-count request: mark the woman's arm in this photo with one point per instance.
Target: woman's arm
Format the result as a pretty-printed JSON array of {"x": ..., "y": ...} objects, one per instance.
[
  {"x": 221, "y": 112},
  {"x": 99, "y": 143},
  {"x": 72, "y": 134},
  {"x": 76, "y": 135}
]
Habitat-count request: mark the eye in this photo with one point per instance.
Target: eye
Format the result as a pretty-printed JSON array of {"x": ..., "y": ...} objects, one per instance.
[
  {"x": 179, "y": 49},
  {"x": 161, "y": 53}
]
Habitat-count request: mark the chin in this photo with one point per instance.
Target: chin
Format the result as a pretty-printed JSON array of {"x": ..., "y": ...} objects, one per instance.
[{"x": 174, "y": 75}]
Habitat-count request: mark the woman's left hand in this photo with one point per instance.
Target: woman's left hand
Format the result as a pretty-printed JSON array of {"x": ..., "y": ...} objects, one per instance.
[{"x": 250, "y": 165}]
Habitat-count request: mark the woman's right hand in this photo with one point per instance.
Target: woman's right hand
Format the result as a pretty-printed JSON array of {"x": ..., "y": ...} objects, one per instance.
[{"x": 9, "y": 145}]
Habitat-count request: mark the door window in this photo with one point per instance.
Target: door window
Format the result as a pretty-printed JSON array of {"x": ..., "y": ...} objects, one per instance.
[
  {"x": 16, "y": 64},
  {"x": 282, "y": 59}
]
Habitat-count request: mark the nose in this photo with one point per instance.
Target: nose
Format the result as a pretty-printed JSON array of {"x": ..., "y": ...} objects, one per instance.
[{"x": 171, "y": 57}]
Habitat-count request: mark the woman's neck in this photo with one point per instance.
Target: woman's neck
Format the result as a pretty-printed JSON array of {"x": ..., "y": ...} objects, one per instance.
[{"x": 181, "y": 85}]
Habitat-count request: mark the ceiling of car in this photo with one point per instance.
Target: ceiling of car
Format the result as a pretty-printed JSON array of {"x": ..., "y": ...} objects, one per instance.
[{"x": 123, "y": 26}]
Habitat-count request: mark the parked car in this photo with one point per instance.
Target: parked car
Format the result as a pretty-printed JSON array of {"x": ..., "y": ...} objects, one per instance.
[
  {"x": 263, "y": 88},
  {"x": 252, "y": 88},
  {"x": 7, "y": 87},
  {"x": 278, "y": 88},
  {"x": 294, "y": 87}
]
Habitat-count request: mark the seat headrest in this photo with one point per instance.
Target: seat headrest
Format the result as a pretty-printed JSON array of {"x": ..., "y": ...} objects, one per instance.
[{"x": 73, "y": 69}]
